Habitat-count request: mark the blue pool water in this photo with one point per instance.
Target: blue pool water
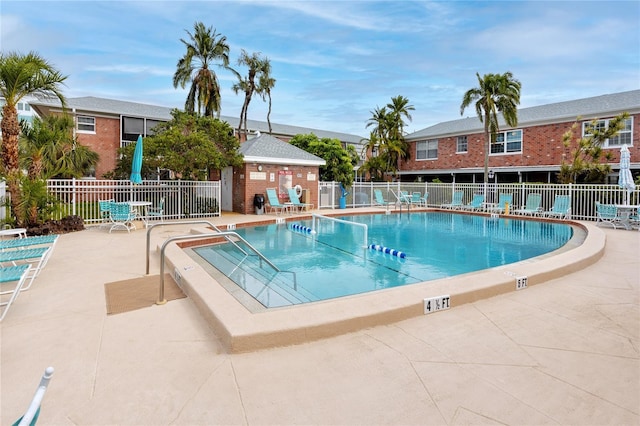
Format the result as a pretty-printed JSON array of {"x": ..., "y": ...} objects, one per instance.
[{"x": 334, "y": 260}]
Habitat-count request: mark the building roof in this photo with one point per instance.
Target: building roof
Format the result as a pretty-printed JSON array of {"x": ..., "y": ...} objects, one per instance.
[
  {"x": 90, "y": 104},
  {"x": 269, "y": 150},
  {"x": 588, "y": 108}
]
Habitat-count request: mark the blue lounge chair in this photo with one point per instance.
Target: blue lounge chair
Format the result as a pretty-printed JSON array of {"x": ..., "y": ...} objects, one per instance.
[
  {"x": 532, "y": 205},
  {"x": 36, "y": 257},
  {"x": 607, "y": 214},
  {"x": 105, "y": 210},
  {"x": 156, "y": 212},
  {"x": 274, "y": 202},
  {"x": 561, "y": 208},
  {"x": 456, "y": 201},
  {"x": 12, "y": 276},
  {"x": 21, "y": 243},
  {"x": 424, "y": 199},
  {"x": 476, "y": 204},
  {"x": 30, "y": 417},
  {"x": 295, "y": 201},
  {"x": 416, "y": 199},
  {"x": 404, "y": 197},
  {"x": 122, "y": 216},
  {"x": 503, "y": 200},
  {"x": 634, "y": 218},
  {"x": 379, "y": 199}
]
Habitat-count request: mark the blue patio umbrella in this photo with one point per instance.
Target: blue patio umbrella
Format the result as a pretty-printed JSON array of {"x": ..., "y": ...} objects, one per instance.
[
  {"x": 625, "y": 178},
  {"x": 136, "y": 164}
]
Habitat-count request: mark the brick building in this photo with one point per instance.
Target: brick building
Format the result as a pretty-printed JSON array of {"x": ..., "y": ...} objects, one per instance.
[
  {"x": 105, "y": 125},
  {"x": 531, "y": 152},
  {"x": 272, "y": 163}
]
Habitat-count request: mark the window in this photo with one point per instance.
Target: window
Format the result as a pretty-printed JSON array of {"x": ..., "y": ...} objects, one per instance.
[
  {"x": 132, "y": 127},
  {"x": 507, "y": 142},
  {"x": 86, "y": 124},
  {"x": 426, "y": 150},
  {"x": 623, "y": 136},
  {"x": 461, "y": 144},
  {"x": 151, "y": 124}
]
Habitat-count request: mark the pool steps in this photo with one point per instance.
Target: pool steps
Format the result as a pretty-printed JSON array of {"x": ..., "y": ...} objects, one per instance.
[{"x": 260, "y": 282}]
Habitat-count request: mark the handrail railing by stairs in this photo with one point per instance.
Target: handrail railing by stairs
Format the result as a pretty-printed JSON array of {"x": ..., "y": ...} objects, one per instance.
[
  {"x": 189, "y": 222},
  {"x": 226, "y": 234}
]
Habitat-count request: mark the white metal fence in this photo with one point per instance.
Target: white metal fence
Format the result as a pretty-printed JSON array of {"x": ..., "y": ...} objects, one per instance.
[
  {"x": 583, "y": 197},
  {"x": 182, "y": 199}
]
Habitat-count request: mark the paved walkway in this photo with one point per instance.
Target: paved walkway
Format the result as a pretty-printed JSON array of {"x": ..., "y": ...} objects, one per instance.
[{"x": 563, "y": 352}]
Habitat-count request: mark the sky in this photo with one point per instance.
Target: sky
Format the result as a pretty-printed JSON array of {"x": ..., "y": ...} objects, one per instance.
[{"x": 335, "y": 62}]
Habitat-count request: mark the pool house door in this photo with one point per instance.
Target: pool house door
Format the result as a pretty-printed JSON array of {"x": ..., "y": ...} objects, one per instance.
[{"x": 226, "y": 202}]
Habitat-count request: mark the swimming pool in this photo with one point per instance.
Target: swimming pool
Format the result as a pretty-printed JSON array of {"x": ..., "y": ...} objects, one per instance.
[{"x": 335, "y": 261}]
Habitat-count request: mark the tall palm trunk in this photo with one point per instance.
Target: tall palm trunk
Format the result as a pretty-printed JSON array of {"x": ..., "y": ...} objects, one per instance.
[
  {"x": 10, "y": 133},
  {"x": 487, "y": 147},
  {"x": 269, "y": 114}
]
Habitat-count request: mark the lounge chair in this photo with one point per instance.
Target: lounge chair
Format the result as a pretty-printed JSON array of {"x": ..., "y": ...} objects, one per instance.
[
  {"x": 46, "y": 241},
  {"x": 424, "y": 199},
  {"x": 36, "y": 257},
  {"x": 156, "y": 212},
  {"x": 634, "y": 218},
  {"x": 21, "y": 243},
  {"x": 532, "y": 205},
  {"x": 105, "y": 210},
  {"x": 379, "y": 199},
  {"x": 607, "y": 214},
  {"x": 404, "y": 197},
  {"x": 30, "y": 416},
  {"x": 274, "y": 202},
  {"x": 476, "y": 204},
  {"x": 122, "y": 216},
  {"x": 416, "y": 199},
  {"x": 501, "y": 207},
  {"x": 561, "y": 208},
  {"x": 456, "y": 201},
  {"x": 16, "y": 275},
  {"x": 296, "y": 203}
]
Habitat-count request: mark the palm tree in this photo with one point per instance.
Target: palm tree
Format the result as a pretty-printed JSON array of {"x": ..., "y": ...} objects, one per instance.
[
  {"x": 399, "y": 107},
  {"x": 496, "y": 93},
  {"x": 266, "y": 84},
  {"x": 387, "y": 135},
  {"x": 50, "y": 150},
  {"x": 259, "y": 68},
  {"x": 378, "y": 119},
  {"x": 205, "y": 48},
  {"x": 21, "y": 76}
]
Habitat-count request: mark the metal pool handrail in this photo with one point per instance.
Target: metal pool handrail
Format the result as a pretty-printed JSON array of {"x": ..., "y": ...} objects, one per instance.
[
  {"x": 226, "y": 234},
  {"x": 190, "y": 222}
]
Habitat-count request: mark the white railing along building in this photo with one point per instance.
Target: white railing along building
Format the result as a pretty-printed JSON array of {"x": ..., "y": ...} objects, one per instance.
[{"x": 182, "y": 199}]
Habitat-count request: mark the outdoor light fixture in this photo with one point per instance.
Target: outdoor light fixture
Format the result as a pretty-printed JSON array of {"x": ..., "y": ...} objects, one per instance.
[
  {"x": 491, "y": 174},
  {"x": 260, "y": 168}
]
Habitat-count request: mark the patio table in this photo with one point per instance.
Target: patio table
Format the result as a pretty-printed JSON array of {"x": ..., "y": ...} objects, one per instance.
[
  {"x": 624, "y": 213},
  {"x": 138, "y": 206}
]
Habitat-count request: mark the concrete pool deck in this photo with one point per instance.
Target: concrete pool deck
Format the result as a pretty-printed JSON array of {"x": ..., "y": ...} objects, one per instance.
[{"x": 563, "y": 351}]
